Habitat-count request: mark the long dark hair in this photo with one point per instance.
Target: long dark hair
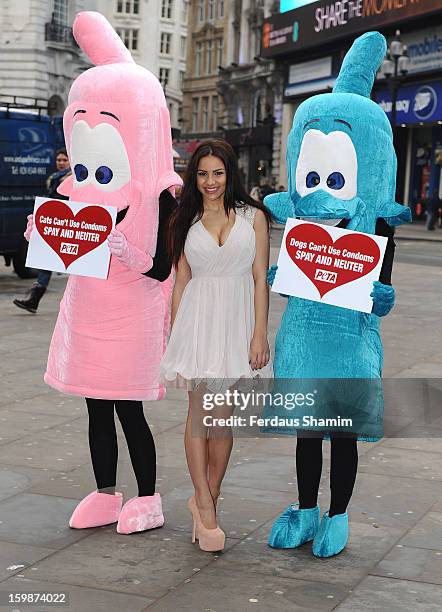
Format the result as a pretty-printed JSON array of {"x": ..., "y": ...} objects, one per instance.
[{"x": 191, "y": 208}]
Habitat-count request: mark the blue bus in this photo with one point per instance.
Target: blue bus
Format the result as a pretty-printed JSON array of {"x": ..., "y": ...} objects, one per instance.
[{"x": 28, "y": 142}]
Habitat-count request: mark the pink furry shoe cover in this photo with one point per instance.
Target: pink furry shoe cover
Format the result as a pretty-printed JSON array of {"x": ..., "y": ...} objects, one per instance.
[
  {"x": 141, "y": 513},
  {"x": 96, "y": 509}
]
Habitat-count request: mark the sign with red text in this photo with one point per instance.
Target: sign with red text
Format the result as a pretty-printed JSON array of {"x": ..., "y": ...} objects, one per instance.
[
  {"x": 328, "y": 264},
  {"x": 71, "y": 237}
]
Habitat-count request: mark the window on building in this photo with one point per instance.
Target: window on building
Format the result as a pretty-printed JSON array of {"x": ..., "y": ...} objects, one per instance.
[
  {"x": 166, "y": 9},
  {"x": 182, "y": 77},
  {"x": 205, "y": 114},
  {"x": 221, "y": 8},
  {"x": 165, "y": 43},
  {"x": 195, "y": 113},
  {"x": 211, "y": 11},
  {"x": 201, "y": 10},
  {"x": 60, "y": 14},
  {"x": 215, "y": 112},
  {"x": 198, "y": 56},
  {"x": 184, "y": 15},
  {"x": 134, "y": 41},
  {"x": 219, "y": 51},
  {"x": 257, "y": 42},
  {"x": 256, "y": 109},
  {"x": 183, "y": 45},
  {"x": 209, "y": 57},
  {"x": 164, "y": 77},
  {"x": 130, "y": 37},
  {"x": 128, "y": 6}
]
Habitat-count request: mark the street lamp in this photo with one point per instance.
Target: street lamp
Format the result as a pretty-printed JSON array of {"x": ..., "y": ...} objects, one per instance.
[{"x": 395, "y": 68}]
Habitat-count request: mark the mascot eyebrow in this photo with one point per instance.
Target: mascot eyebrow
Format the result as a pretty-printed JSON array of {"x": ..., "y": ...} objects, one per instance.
[
  {"x": 110, "y": 114},
  {"x": 311, "y": 121},
  {"x": 344, "y": 122},
  {"x": 101, "y": 113},
  {"x": 337, "y": 120}
]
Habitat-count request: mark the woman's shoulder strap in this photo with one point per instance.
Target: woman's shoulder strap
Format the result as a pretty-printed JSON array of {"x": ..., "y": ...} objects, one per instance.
[{"x": 247, "y": 212}]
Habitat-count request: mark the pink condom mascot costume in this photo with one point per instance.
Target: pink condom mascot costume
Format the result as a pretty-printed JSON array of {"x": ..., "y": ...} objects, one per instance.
[{"x": 110, "y": 334}]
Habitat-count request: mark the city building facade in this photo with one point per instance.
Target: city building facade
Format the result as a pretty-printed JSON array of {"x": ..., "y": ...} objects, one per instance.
[
  {"x": 308, "y": 42},
  {"x": 251, "y": 89},
  {"x": 155, "y": 32},
  {"x": 203, "y": 108},
  {"x": 39, "y": 58}
]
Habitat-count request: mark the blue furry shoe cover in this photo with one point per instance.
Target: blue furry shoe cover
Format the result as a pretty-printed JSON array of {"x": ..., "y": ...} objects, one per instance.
[
  {"x": 332, "y": 535},
  {"x": 294, "y": 527}
]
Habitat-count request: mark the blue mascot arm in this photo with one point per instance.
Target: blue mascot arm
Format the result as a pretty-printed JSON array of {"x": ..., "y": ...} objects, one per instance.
[
  {"x": 383, "y": 298},
  {"x": 280, "y": 205},
  {"x": 271, "y": 273}
]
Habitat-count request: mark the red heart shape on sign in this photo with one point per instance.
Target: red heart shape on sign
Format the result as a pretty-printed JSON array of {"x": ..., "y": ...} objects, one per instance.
[
  {"x": 72, "y": 235},
  {"x": 329, "y": 263}
]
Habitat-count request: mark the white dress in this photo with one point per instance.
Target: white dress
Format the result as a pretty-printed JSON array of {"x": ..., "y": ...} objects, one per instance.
[{"x": 214, "y": 324}]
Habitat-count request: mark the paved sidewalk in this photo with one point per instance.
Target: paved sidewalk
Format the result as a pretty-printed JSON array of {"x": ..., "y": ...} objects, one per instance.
[
  {"x": 410, "y": 231},
  {"x": 418, "y": 231},
  {"x": 394, "y": 558}
]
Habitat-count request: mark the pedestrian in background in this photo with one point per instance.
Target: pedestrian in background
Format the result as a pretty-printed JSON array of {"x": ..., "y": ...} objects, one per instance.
[
  {"x": 36, "y": 292},
  {"x": 266, "y": 190},
  {"x": 432, "y": 206},
  {"x": 255, "y": 193}
]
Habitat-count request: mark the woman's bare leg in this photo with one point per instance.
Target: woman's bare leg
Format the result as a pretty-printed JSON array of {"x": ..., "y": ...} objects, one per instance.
[
  {"x": 220, "y": 444},
  {"x": 196, "y": 446}
]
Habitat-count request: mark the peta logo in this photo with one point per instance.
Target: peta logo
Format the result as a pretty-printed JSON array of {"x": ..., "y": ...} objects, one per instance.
[{"x": 71, "y": 249}]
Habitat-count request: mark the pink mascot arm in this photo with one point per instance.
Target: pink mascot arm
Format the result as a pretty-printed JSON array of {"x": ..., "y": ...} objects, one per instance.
[{"x": 127, "y": 253}]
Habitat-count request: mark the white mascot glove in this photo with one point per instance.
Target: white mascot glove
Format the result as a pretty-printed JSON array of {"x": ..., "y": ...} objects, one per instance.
[{"x": 29, "y": 227}]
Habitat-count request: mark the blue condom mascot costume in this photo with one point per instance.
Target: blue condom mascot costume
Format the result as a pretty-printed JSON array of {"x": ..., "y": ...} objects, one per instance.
[{"x": 341, "y": 168}]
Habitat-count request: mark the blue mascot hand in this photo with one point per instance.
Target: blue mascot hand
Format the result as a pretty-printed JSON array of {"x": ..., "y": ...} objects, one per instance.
[
  {"x": 383, "y": 298},
  {"x": 271, "y": 273}
]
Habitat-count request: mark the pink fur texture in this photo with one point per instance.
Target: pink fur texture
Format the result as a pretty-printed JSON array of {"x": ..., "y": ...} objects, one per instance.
[
  {"x": 109, "y": 336},
  {"x": 140, "y": 514},
  {"x": 96, "y": 509}
]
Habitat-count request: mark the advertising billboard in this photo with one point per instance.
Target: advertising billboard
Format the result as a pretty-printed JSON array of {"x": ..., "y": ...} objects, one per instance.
[
  {"x": 312, "y": 24},
  {"x": 289, "y": 5},
  {"x": 415, "y": 103}
]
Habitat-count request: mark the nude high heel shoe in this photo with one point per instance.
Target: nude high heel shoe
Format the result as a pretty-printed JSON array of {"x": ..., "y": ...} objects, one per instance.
[{"x": 209, "y": 540}]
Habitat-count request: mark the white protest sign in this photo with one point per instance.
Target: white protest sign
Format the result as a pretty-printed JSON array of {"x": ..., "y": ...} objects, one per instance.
[
  {"x": 328, "y": 264},
  {"x": 71, "y": 237}
]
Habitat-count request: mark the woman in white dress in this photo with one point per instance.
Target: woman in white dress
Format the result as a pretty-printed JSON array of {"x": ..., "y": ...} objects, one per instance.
[{"x": 219, "y": 243}]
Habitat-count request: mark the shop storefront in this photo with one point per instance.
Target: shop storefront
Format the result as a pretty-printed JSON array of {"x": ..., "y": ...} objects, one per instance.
[
  {"x": 419, "y": 113},
  {"x": 253, "y": 146},
  {"x": 309, "y": 43}
]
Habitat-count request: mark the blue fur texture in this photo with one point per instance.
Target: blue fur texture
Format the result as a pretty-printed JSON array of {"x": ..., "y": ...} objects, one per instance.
[
  {"x": 332, "y": 535},
  {"x": 383, "y": 298},
  {"x": 294, "y": 527}
]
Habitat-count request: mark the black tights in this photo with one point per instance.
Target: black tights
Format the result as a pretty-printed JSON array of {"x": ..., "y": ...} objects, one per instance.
[
  {"x": 344, "y": 465},
  {"x": 104, "y": 448}
]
